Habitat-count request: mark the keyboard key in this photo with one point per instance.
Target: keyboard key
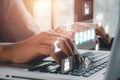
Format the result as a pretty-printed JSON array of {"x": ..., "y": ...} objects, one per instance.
[
  {"x": 87, "y": 75},
  {"x": 92, "y": 72},
  {"x": 80, "y": 73}
]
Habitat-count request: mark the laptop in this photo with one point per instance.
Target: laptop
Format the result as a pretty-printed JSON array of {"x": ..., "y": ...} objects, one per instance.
[{"x": 94, "y": 67}]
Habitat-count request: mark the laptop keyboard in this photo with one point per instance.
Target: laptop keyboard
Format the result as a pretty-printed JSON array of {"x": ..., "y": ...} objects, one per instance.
[{"x": 97, "y": 60}]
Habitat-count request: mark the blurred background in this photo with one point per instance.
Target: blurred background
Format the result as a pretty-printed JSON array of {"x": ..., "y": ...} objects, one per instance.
[{"x": 50, "y": 14}]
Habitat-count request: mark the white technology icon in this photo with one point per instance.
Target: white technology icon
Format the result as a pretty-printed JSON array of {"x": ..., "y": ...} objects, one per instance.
[
  {"x": 87, "y": 9},
  {"x": 99, "y": 18},
  {"x": 57, "y": 49},
  {"x": 84, "y": 36},
  {"x": 66, "y": 65}
]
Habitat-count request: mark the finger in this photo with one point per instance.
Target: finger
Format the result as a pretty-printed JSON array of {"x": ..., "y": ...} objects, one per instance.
[
  {"x": 56, "y": 58},
  {"x": 108, "y": 39},
  {"x": 43, "y": 50},
  {"x": 48, "y": 51},
  {"x": 70, "y": 46},
  {"x": 96, "y": 40},
  {"x": 50, "y": 34},
  {"x": 79, "y": 58},
  {"x": 101, "y": 32}
]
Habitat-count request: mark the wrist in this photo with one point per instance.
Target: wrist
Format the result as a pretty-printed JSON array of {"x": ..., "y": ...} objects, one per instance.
[
  {"x": 9, "y": 52},
  {"x": 4, "y": 54}
]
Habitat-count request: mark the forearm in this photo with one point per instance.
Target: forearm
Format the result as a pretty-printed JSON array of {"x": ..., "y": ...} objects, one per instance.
[
  {"x": 4, "y": 57},
  {"x": 8, "y": 52}
]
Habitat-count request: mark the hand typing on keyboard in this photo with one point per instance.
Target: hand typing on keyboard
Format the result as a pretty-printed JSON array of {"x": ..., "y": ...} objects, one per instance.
[
  {"x": 44, "y": 45},
  {"x": 40, "y": 46},
  {"x": 63, "y": 48},
  {"x": 77, "y": 27}
]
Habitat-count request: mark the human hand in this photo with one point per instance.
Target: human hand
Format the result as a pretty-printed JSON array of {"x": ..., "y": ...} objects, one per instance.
[
  {"x": 42, "y": 45},
  {"x": 77, "y": 27},
  {"x": 101, "y": 32}
]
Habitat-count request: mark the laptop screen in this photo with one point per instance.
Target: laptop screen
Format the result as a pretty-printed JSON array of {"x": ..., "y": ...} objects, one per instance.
[{"x": 113, "y": 72}]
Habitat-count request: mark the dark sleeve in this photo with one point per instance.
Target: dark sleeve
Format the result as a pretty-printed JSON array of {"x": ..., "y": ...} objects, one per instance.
[{"x": 17, "y": 23}]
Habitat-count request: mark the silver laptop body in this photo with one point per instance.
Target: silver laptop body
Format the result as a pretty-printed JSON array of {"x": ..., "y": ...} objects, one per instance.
[{"x": 22, "y": 72}]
